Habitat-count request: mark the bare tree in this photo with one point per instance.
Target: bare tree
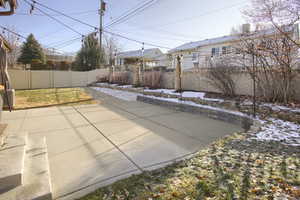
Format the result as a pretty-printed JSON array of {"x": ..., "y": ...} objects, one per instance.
[
  {"x": 112, "y": 46},
  {"x": 14, "y": 42},
  {"x": 278, "y": 13},
  {"x": 270, "y": 59}
]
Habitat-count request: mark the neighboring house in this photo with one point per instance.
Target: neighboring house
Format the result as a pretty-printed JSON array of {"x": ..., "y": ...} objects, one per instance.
[
  {"x": 199, "y": 54},
  {"x": 151, "y": 57},
  {"x": 163, "y": 61},
  {"x": 54, "y": 56}
]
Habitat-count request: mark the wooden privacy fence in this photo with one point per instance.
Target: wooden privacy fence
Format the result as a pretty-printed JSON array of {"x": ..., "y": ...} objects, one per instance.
[{"x": 40, "y": 79}]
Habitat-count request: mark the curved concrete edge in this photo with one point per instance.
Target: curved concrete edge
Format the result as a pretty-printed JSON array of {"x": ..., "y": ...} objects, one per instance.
[{"x": 237, "y": 118}]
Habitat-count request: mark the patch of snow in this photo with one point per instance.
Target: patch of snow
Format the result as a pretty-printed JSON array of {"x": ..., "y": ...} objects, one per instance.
[
  {"x": 200, "y": 95},
  {"x": 125, "y": 86},
  {"x": 102, "y": 84},
  {"x": 164, "y": 91},
  {"x": 278, "y": 130},
  {"x": 274, "y": 107},
  {"x": 193, "y": 95},
  {"x": 124, "y": 95}
]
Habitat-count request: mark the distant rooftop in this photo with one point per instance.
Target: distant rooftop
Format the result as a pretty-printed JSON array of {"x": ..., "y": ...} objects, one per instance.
[
  {"x": 229, "y": 38},
  {"x": 148, "y": 53}
]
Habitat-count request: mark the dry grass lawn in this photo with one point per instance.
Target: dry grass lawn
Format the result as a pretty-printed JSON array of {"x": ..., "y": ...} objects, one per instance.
[{"x": 52, "y": 97}]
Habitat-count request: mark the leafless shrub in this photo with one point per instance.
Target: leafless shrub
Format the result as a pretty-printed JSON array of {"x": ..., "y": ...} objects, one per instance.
[
  {"x": 152, "y": 79},
  {"x": 220, "y": 75},
  {"x": 271, "y": 61}
]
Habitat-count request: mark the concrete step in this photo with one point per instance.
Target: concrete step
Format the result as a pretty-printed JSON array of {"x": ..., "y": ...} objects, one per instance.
[
  {"x": 12, "y": 155},
  {"x": 37, "y": 183}
]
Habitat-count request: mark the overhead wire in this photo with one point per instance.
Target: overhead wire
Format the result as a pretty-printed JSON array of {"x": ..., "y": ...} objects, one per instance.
[
  {"x": 127, "y": 15},
  {"x": 55, "y": 19},
  {"x": 57, "y": 15},
  {"x": 80, "y": 21},
  {"x": 63, "y": 14},
  {"x": 96, "y": 28}
]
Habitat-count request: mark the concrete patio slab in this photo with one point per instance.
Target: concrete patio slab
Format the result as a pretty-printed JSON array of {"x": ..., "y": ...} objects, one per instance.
[
  {"x": 149, "y": 111},
  {"x": 18, "y": 114},
  {"x": 42, "y": 112},
  {"x": 95, "y": 117},
  {"x": 86, "y": 165},
  {"x": 198, "y": 127},
  {"x": 92, "y": 145},
  {"x": 69, "y": 139},
  {"x": 45, "y": 123}
]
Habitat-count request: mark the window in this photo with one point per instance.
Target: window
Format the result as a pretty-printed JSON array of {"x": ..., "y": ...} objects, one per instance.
[
  {"x": 226, "y": 50},
  {"x": 215, "y": 52},
  {"x": 195, "y": 57}
]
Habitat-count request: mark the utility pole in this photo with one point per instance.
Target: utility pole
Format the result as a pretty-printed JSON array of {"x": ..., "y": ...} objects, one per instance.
[{"x": 101, "y": 13}]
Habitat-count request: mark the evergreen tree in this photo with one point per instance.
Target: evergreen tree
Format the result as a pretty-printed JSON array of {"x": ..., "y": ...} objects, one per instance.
[
  {"x": 89, "y": 57},
  {"x": 31, "y": 52}
]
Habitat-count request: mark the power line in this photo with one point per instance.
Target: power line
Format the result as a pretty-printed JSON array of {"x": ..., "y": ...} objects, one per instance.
[
  {"x": 67, "y": 42},
  {"x": 137, "y": 41},
  {"x": 70, "y": 43},
  {"x": 10, "y": 31},
  {"x": 164, "y": 36},
  {"x": 19, "y": 35},
  {"x": 96, "y": 28},
  {"x": 63, "y": 14},
  {"x": 55, "y": 19},
  {"x": 127, "y": 15},
  {"x": 57, "y": 15},
  {"x": 123, "y": 14},
  {"x": 197, "y": 16}
]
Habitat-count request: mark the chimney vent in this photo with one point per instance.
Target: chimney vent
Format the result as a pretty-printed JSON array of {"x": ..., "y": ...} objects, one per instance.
[{"x": 246, "y": 28}]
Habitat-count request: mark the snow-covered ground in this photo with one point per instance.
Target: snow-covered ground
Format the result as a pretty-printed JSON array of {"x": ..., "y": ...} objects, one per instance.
[
  {"x": 200, "y": 95},
  {"x": 274, "y": 107},
  {"x": 124, "y": 95},
  {"x": 287, "y": 133},
  {"x": 278, "y": 130}
]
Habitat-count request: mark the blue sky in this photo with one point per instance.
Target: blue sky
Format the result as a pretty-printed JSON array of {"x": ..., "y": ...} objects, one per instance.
[{"x": 167, "y": 23}]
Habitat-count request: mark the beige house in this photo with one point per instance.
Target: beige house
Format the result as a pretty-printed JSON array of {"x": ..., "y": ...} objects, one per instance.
[
  {"x": 151, "y": 58},
  {"x": 199, "y": 54},
  {"x": 55, "y": 56}
]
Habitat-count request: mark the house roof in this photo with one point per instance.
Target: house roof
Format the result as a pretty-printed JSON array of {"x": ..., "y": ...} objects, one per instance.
[
  {"x": 229, "y": 38},
  {"x": 193, "y": 45},
  {"x": 148, "y": 53}
]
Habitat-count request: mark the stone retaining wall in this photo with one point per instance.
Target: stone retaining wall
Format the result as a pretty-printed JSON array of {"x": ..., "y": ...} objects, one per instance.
[{"x": 236, "y": 118}]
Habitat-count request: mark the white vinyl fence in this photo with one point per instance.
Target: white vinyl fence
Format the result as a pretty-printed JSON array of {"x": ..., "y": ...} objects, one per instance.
[{"x": 39, "y": 79}]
